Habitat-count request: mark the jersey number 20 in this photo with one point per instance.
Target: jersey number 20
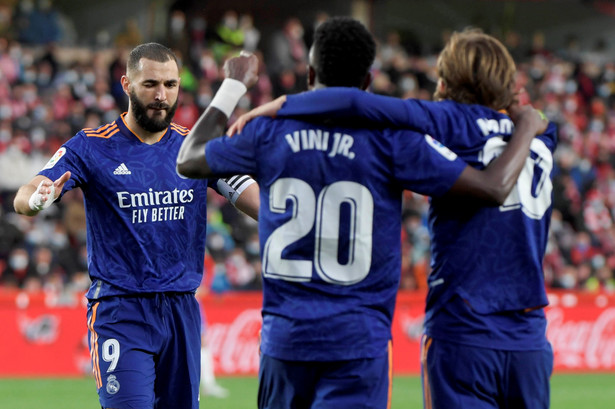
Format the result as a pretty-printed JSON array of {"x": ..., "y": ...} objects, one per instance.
[
  {"x": 323, "y": 213},
  {"x": 532, "y": 192}
]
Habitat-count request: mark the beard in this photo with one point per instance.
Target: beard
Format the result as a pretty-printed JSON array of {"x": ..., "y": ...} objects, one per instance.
[{"x": 153, "y": 124}]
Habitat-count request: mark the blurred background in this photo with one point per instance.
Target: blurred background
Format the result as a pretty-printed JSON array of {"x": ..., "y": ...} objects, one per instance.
[
  {"x": 60, "y": 67},
  {"x": 61, "y": 63}
]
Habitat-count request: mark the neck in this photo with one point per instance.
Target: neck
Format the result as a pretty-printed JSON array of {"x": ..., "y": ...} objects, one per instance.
[{"x": 145, "y": 136}]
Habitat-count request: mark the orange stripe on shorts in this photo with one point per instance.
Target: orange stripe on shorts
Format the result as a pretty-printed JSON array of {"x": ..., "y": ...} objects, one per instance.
[{"x": 94, "y": 347}]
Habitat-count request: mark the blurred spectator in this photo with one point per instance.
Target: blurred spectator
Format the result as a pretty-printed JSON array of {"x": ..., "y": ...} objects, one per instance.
[
  {"x": 10, "y": 238},
  {"x": 583, "y": 249},
  {"x": 37, "y": 23},
  {"x": 262, "y": 92},
  {"x": 602, "y": 280},
  {"x": 48, "y": 93},
  {"x": 130, "y": 36},
  {"x": 187, "y": 111},
  {"x": 228, "y": 36},
  {"x": 5, "y": 19},
  {"x": 177, "y": 37},
  {"x": 116, "y": 71},
  {"x": 392, "y": 49},
  {"x": 251, "y": 35},
  {"x": 320, "y": 17},
  {"x": 18, "y": 268},
  {"x": 288, "y": 58}
]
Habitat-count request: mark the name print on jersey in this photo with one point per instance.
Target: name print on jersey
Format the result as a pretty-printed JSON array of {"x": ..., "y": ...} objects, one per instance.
[
  {"x": 317, "y": 139},
  {"x": 503, "y": 126},
  {"x": 154, "y": 205}
]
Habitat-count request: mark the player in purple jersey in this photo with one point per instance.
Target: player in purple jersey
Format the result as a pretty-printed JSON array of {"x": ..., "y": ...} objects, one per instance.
[
  {"x": 145, "y": 236},
  {"x": 485, "y": 343},
  {"x": 330, "y": 223}
]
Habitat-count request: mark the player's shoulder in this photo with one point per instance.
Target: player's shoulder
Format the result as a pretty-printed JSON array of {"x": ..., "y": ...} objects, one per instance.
[
  {"x": 448, "y": 112},
  {"x": 102, "y": 132},
  {"x": 476, "y": 110},
  {"x": 177, "y": 128},
  {"x": 550, "y": 136},
  {"x": 87, "y": 136},
  {"x": 260, "y": 124}
]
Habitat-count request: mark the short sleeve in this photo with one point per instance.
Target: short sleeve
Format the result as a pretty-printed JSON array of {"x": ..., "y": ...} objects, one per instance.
[
  {"x": 423, "y": 164},
  {"x": 68, "y": 158}
]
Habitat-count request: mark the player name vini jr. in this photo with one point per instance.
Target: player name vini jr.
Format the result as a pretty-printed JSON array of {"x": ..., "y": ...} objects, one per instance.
[{"x": 335, "y": 143}]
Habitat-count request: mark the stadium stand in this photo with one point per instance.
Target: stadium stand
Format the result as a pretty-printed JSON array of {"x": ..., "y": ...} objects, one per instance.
[{"x": 49, "y": 92}]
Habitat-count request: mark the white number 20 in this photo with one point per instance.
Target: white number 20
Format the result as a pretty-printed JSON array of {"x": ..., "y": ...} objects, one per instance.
[
  {"x": 532, "y": 193},
  {"x": 323, "y": 213}
]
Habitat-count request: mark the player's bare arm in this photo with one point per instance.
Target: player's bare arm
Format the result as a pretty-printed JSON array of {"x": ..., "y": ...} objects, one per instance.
[
  {"x": 38, "y": 194},
  {"x": 249, "y": 201},
  {"x": 241, "y": 73},
  {"x": 494, "y": 184},
  {"x": 243, "y": 193}
]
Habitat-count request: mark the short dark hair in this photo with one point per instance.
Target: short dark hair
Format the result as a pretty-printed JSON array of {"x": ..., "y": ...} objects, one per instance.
[
  {"x": 343, "y": 52},
  {"x": 151, "y": 51}
]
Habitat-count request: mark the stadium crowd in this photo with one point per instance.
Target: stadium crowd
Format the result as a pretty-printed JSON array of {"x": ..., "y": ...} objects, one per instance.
[{"x": 49, "y": 91}]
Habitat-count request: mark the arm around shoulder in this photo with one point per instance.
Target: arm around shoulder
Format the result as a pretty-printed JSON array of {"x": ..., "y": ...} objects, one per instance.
[{"x": 494, "y": 184}]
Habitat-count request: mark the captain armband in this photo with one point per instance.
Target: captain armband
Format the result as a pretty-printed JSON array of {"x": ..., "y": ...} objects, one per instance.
[
  {"x": 228, "y": 96},
  {"x": 232, "y": 187}
]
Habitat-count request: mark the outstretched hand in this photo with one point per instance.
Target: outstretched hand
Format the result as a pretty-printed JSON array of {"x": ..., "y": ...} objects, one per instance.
[
  {"x": 243, "y": 68},
  {"x": 271, "y": 109},
  {"x": 47, "y": 192},
  {"x": 58, "y": 184}
]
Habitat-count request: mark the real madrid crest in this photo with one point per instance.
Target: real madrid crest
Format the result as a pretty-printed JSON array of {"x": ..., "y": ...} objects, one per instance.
[{"x": 113, "y": 386}]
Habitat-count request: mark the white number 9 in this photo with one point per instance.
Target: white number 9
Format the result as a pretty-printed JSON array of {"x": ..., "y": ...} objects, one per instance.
[{"x": 111, "y": 353}]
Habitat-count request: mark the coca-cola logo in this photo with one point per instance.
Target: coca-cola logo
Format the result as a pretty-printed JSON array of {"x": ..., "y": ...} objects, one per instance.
[
  {"x": 235, "y": 345},
  {"x": 40, "y": 330},
  {"x": 582, "y": 344},
  {"x": 412, "y": 326}
]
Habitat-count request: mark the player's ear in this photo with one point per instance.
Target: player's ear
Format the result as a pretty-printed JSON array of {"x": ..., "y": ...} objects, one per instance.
[
  {"x": 311, "y": 76},
  {"x": 125, "y": 84},
  {"x": 441, "y": 86},
  {"x": 367, "y": 81}
]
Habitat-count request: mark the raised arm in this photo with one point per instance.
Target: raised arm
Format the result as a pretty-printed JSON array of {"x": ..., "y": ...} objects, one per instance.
[
  {"x": 241, "y": 73},
  {"x": 494, "y": 183}
]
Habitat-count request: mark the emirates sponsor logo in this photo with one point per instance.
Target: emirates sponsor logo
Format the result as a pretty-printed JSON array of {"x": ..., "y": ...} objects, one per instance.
[
  {"x": 154, "y": 205},
  {"x": 235, "y": 345},
  {"x": 582, "y": 344}
]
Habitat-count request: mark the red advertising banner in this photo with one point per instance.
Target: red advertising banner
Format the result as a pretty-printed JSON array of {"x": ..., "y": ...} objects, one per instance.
[
  {"x": 42, "y": 335},
  {"x": 581, "y": 329}
]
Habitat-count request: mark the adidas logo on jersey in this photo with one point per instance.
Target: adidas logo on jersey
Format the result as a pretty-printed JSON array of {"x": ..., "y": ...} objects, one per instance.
[{"x": 122, "y": 170}]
